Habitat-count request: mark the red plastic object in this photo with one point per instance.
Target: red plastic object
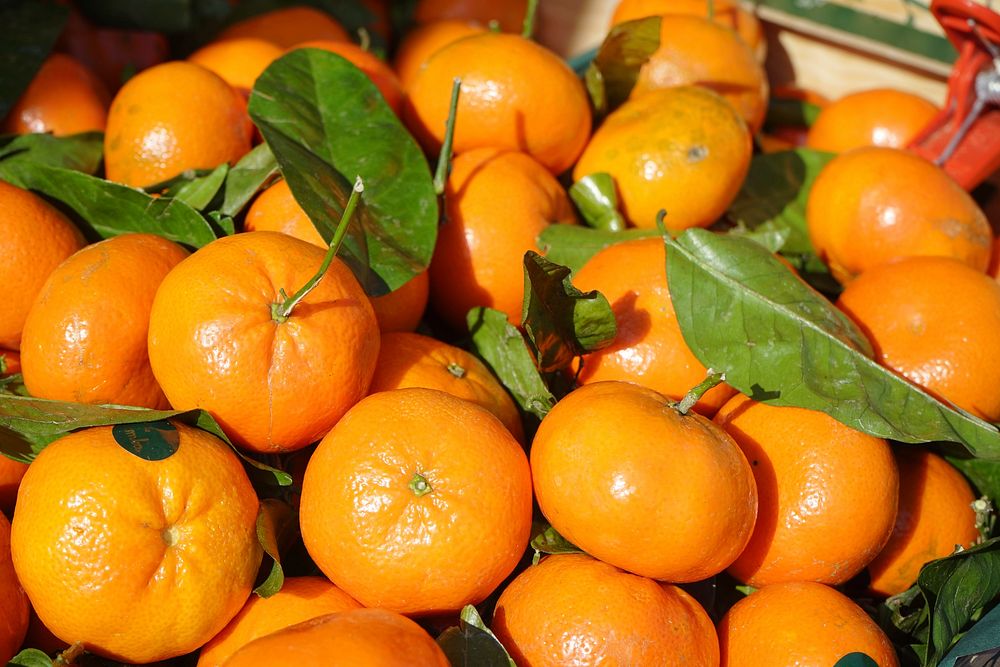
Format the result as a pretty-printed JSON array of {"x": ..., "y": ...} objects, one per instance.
[{"x": 964, "y": 137}]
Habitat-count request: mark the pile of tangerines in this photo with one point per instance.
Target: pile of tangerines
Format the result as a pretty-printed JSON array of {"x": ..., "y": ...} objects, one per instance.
[{"x": 417, "y": 480}]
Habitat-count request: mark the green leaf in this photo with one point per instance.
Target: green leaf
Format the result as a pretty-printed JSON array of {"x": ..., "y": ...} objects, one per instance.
[
  {"x": 472, "y": 643},
  {"x": 787, "y": 112},
  {"x": 199, "y": 192},
  {"x": 561, "y": 321},
  {"x": 625, "y": 50},
  {"x": 596, "y": 199},
  {"x": 742, "y": 312},
  {"x": 31, "y": 657},
  {"x": 247, "y": 178},
  {"x": 983, "y": 636},
  {"x": 109, "y": 209},
  {"x": 275, "y": 520},
  {"x": 170, "y": 16},
  {"x": 504, "y": 350},
  {"x": 573, "y": 245},
  {"x": 983, "y": 473},
  {"x": 30, "y": 32},
  {"x": 79, "y": 152},
  {"x": 326, "y": 123},
  {"x": 856, "y": 660},
  {"x": 549, "y": 541}
]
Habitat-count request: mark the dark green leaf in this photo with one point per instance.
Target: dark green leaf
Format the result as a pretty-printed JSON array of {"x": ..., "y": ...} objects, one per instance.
[
  {"x": 742, "y": 312},
  {"x": 597, "y": 201},
  {"x": 109, "y": 209},
  {"x": 326, "y": 123},
  {"x": 769, "y": 235},
  {"x": 984, "y": 474},
  {"x": 573, "y": 245},
  {"x": 251, "y": 173},
  {"x": 983, "y": 636},
  {"x": 856, "y": 660},
  {"x": 549, "y": 541},
  {"x": 625, "y": 50},
  {"x": 472, "y": 644},
  {"x": 169, "y": 16},
  {"x": 199, "y": 192},
  {"x": 79, "y": 152},
  {"x": 786, "y": 112},
  {"x": 30, "y": 31},
  {"x": 274, "y": 519},
  {"x": 561, "y": 321},
  {"x": 31, "y": 657},
  {"x": 505, "y": 351}
]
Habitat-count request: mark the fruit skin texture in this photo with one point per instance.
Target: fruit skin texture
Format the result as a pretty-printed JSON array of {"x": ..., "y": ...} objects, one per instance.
[
  {"x": 238, "y": 61},
  {"x": 170, "y": 118},
  {"x": 273, "y": 387},
  {"x": 11, "y": 472},
  {"x": 403, "y": 308},
  {"x": 139, "y": 560},
  {"x": 799, "y": 623},
  {"x": 368, "y": 529},
  {"x": 358, "y": 638},
  {"x": 935, "y": 514},
  {"x": 515, "y": 95},
  {"x": 509, "y": 14},
  {"x": 879, "y": 117},
  {"x": 628, "y": 479},
  {"x": 828, "y": 494},
  {"x": 424, "y": 41},
  {"x": 575, "y": 610},
  {"x": 288, "y": 26},
  {"x": 697, "y": 52},
  {"x": 300, "y": 599},
  {"x": 413, "y": 360},
  {"x": 37, "y": 238},
  {"x": 681, "y": 149},
  {"x": 13, "y": 601},
  {"x": 649, "y": 348},
  {"x": 873, "y": 205},
  {"x": 936, "y": 322},
  {"x": 374, "y": 68},
  {"x": 497, "y": 202},
  {"x": 64, "y": 98},
  {"x": 85, "y": 336}
]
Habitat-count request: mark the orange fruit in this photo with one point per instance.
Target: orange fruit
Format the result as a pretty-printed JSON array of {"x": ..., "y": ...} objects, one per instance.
[
  {"x": 374, "y": 68},
  {"x": 412, "y": 360},
  {"x": 288, "y": 26},
  {"x": 681, "y": 149},
  {"x": 432, "y": 519},
  {"x": 239, "y": 61},
  {"x": 694, "y": 51},
  {"x": 509, "y": 14},
  {"x": 497, "y": 202},
  {"x": 11, "y": 472},
  {"x": 417, "y": 47},
  {"x": 799, "y": 623},
  {"x": 630, "y": 480},
  {"x": 77, "y": 348},
  {"x": 828, "y": 494},
  {"x": 273, "y": 385},
  {"x": 40, "y": 637},
  {"x": 872, "y": 205},
  {"x": 936, "y": 322},
  {"x": 140, "y": 560},
  {"x": 37, "y": 238},
  {"x": 13, "y": 601},
  {"x": 170, "y": 118},
  {"x": 360, "y": 638},
  {"x": 63, "y": 98},
  {"x": 649, "y": 348},
  {"x": 935, "y": 515},
  {"x": 300, "y": 599},
  {"x": 515, "y": 95},
  {"x": 574, "y": 610},
  {"x": 879, "y": 117},
  {"x": 402, "y": 309}
]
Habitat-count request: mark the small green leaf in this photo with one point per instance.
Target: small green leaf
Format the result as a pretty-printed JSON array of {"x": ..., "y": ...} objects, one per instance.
[
  {"x": 856, "y": 659},
  {"x": 984, "y": 474},
  {"x": 199, "y": 192},
  {"x": 787, "y": 112},
  {"x": 573, "y": 245},
  {"x": 472, "y": 643},
  {"x": 549, "y": 541},
  {"x": 79, "y": 152},
  {"x": 596, "y": 199},
  {"x": 505, "y": 351},
  {"x": 247, "y": 178},
  {"x": 625, "y": 50},
  {"x": 31, "y": 657},
  {"x": 274, "y": 521},
  {"x": 30, "y": 31}
]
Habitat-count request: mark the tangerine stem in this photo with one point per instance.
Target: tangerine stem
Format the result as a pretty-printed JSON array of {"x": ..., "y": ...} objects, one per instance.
[
  {"x": 711, "y": 10},
  {"x": 528, "y": 30},
  {"x": 419, "y": 485},
  {"x": 280, "y": 312},
  {"x": 712, "y": 379},
  {"x": 444, "y": 159}
]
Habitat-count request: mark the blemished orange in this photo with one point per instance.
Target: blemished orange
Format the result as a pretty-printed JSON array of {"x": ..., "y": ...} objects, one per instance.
[
  {"x": 170, "y": 118},
  {"x": 936, "y": 322},
  {"x": 574, "y": 610},
  {"x": 360, "y": 638},
  {"x": 140, "y": 560},
  {"x": 11, "y": 472},
  {"x": 37, "y": 238},
  {"x": 799, "y": 623},
  {"x": 630, "y": 480},
  {"x": 828, "y": 494},
  {"x": 63, "y": 98},
  {"x": 85, "y": 339},
  {"x": 239, "y": 61},
  {"x": 13, "y": 601},
  {"x": 419, "y": 44},
  {"x": 414, "y": 360},
  {"x": 376, "y": 69},
  {"x": 684, "y": 150},
  {"x": 694, "y": 51},
  {"x": 403, "y": 308},
  {"x": 509, "y": 14},
  {"x": 879, "y": 117},
  {"x": 300, "y": 599},
  {"x": 274, "y": 386},
  {"x": 432, "y": 519},
  {"x": 874, "y": 205},
  {"x": 935, "y": 516},
  {"x": 288, "y": 26},
  {"x": 515, "y": 95},
  {"x": 497, "y": 202},
  {"x": 649, "y": 348}
]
